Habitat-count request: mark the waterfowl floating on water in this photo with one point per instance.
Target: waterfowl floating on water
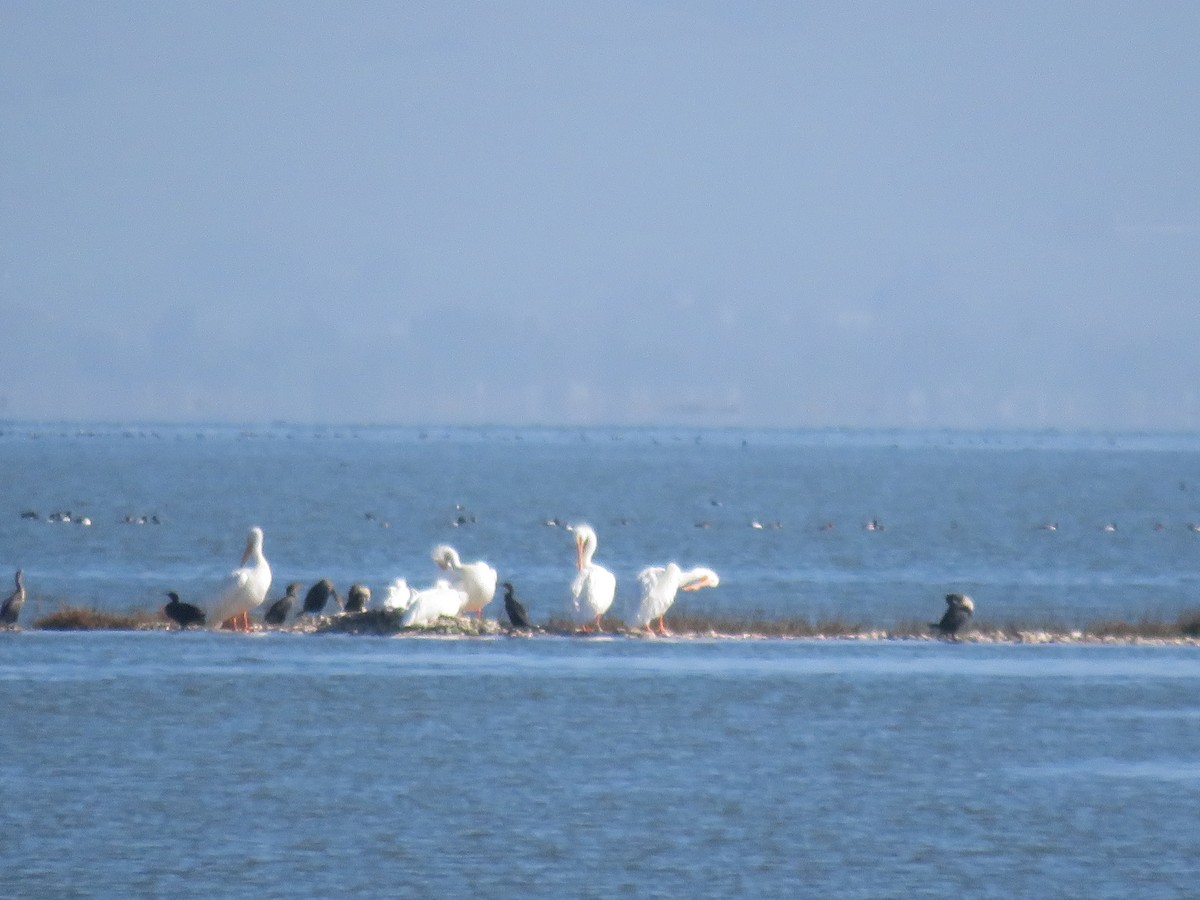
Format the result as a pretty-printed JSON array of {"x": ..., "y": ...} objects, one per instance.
[
  {"x": 477, "y": 579},
  {"x": 244, "y": 589},
  {"x": 10, "y": 609},
  {"x": 659, "y": 586},
  {"x": 594, "y": 586}
]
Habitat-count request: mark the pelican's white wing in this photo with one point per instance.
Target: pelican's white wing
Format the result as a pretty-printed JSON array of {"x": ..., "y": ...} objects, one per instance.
[
  {"x": 245, "y": 588},
  {"x": 593, "y": 590},
  {"x": 478, "y": 581},
  {"x": 658, "y": 592},
  {"x": 399, "y": 595},
  {"x": 650, "y": 575},
  {"x": 431, "y": 604}
]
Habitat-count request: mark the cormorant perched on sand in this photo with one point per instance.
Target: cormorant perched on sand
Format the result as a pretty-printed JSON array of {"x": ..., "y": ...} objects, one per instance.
[
  {"x": 11, "y": 608},
  {"x": 318, "y": 595},
  {"x": 515, "y": 609},
  {"x": 959, "y": 608},
  {"x": 279, "y": 611},
  {"x": 183, "y": 614},
  {"x": 357, "y": 599}
]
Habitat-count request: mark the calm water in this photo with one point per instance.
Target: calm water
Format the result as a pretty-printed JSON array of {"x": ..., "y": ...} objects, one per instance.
[
  {"x": 268, "y": 765},
  {"x": 290, "y": 765},
  {"x": 961, "y": 512}
]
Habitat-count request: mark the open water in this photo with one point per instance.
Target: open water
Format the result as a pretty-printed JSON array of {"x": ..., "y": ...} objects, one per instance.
[
  {"x": 218, "y": 764},
  {"x": 962, "y": 512}
]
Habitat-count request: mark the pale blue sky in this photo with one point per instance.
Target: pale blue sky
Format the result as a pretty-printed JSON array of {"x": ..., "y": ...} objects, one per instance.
[{"x": 792, "y": 214}]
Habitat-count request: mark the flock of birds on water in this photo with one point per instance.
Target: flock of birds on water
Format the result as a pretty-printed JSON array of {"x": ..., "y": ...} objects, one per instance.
[{"x": 466, "y": 590}]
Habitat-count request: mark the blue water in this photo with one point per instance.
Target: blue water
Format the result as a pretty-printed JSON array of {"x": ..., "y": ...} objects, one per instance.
[
  {"x": 207, "y": 765},
  {"x": 961, "y": 512},
  {"x": 276, "y": 764}
]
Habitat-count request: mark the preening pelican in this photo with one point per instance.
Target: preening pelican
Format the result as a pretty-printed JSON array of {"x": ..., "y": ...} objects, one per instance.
[
  {"x": 427, "y": 606},
  {"x": 399, "y": 595},
  {"x": 659, "y": 585},
  {"x": 594, "y": 586},
  {"x": 477, "y": 580},
  {"x": 182, "y": 614},
  {"x": 278, "y": 612},
  {"x": 959, "y": 608},
  {"x": 11, "y": 608},
  {"x": 244, "y": 589}
]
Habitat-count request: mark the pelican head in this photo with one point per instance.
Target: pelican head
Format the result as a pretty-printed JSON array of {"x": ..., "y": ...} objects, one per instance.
[
  {"x": 695, "y": 579},
  {"x": 254, "y": 544},
  {"x": 585, "y": 545},
  {"x": 446, "y": 557}
]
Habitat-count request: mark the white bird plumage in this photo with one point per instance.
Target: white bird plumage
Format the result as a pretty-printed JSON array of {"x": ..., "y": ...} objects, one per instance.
[
  {"x": 659, "y": 586},
  {"x": 399, "y": 595},
  {"x": 477, "y": 579},
  {"x": 594, "y": 586},
  {"x": 427, "y": 606},
  {"x": 245, "y": 588}
]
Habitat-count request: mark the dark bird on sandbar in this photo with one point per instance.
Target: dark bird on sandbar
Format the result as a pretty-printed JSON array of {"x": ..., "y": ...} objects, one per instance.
[
  {"x": 959, "y": 608},
  {"x": 357, "y": 599},
  {"x": 183, "y": 614},
  {"x": 515, "y": 608},
  {"x": 278, "y": 611},
  {"x": 319, "y": 595},
  {"x": 11, "y": 608}
]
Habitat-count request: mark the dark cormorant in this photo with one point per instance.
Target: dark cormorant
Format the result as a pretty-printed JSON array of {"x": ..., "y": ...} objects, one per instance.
[
  {"x": 279, "y": 610},
  {"x": 357, "y": 599},
  {"x": 515, "y": 609},
  {"x": 959, "y": 608},
  {"x": 11, "y": 608},
  {"x": 183, "y": 614},
  {"x": 318, "y": 595}
]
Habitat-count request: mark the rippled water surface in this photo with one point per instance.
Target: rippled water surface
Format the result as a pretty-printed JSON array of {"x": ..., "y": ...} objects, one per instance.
[
  {"x": 281, "y": 765},
  {"x": 274, "y": 764},
  {"x": 960, "y": 512}
]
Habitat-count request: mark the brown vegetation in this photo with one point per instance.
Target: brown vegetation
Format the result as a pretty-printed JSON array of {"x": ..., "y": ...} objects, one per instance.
[
  {"x": 683, "y": 623},
  {"x": 79, "y": 618}
]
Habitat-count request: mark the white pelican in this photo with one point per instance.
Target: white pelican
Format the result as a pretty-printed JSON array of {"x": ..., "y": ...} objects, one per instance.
[
  {"x": 659, "y": 584},
  {"x": 594, "y": 586},
  {"x": 427, "y": 606},
  {"x": 399, "y": 595},
  {"x": 244, "y": 588},
  {"x": 477, "y": 580}
]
